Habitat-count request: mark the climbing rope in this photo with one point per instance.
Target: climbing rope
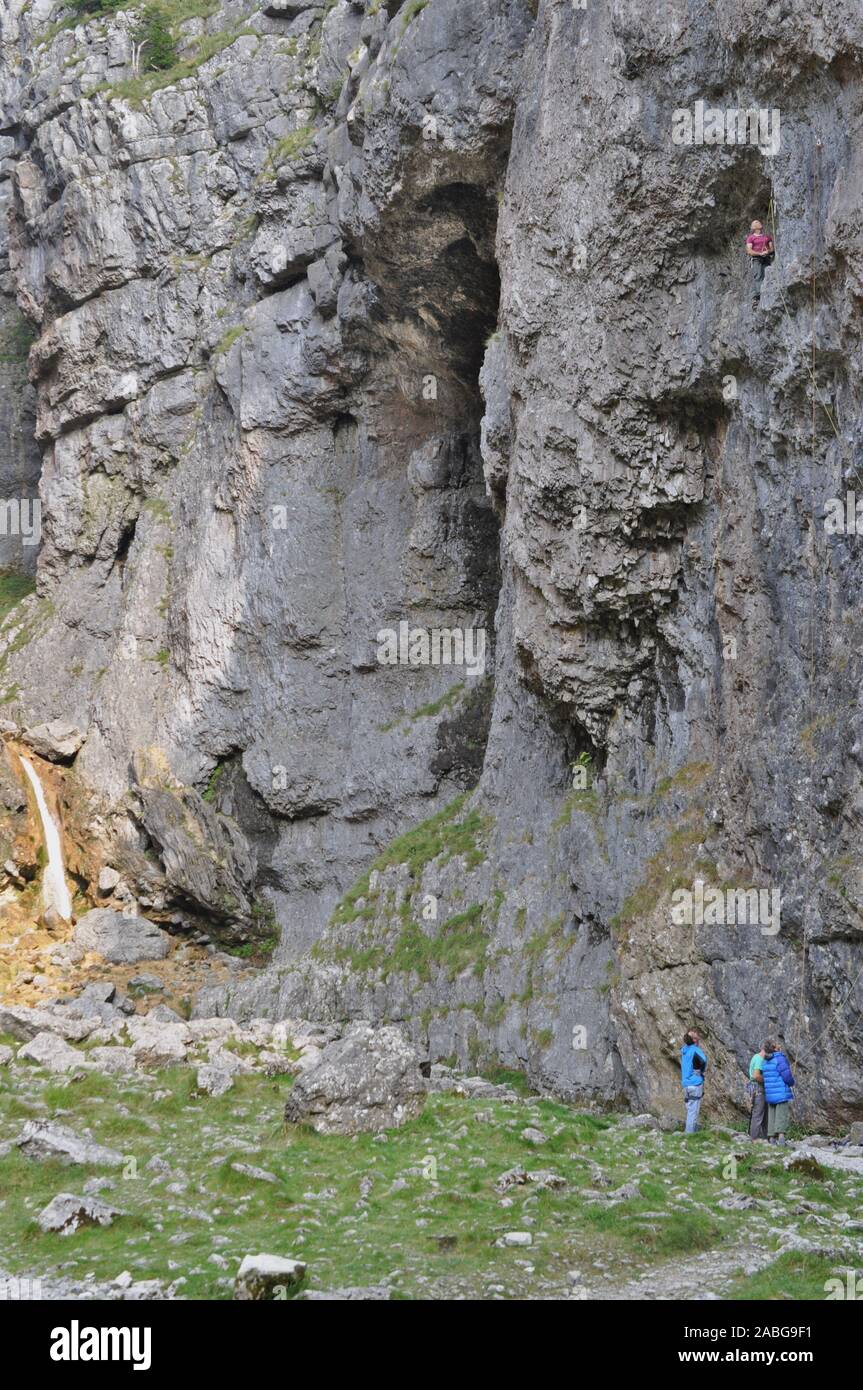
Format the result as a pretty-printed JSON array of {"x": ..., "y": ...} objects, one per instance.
[
  {"x": 816, "y": 210},
  {"x": 812, "y": 1045},
  {"x": 800, "y": 1051}
]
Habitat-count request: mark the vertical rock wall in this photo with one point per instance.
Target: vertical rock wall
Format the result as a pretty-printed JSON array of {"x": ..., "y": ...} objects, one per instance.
[{"x": 374, "y": 313}]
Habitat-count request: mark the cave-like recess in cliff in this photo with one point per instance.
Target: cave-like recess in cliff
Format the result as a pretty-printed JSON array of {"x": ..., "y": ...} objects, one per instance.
[
  {"x": 437, "y": 286},
  {"x": 433, "y": 305}
]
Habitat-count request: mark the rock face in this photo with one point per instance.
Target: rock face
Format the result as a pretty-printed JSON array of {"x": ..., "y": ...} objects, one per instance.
[
  {"x": 121, "y": 940},
  {"x": 384, "y": 314},
  {"x": 368, "y": 1080}
]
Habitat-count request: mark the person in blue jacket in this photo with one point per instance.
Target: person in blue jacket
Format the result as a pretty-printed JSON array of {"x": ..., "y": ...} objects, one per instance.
[
  {"x": 693, "y": 1065},
  {"x": 778, "y": 1093}
]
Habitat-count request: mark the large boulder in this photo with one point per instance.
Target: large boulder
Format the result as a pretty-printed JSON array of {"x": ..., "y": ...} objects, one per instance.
[
  {"x": 66, "y": 1213},
  {"x": 52, "y": 1052},
  {"x": 57, "y": 741},
  {"x": 262, "y": 1277},
  {"x": 368, "y": 1080},
  {"x": 157, "y": 1042},
  {"x": 121, "y": 940},
  {"x": 205, "y": 856},
  {"x": 43, "y": 1139},
  {"x": 24, "y": 1023},
  {"x": 213, "y": 1081}
]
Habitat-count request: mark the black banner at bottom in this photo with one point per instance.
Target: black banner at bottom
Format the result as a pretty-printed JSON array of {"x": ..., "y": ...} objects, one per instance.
[{"x": 155, "y": 1338}]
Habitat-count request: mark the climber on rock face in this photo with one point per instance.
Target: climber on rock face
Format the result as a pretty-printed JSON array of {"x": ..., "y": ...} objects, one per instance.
[{"x": 759, "y": 248}]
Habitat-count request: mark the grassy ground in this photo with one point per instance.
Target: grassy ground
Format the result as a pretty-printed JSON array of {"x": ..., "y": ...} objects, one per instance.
[
  {"x": 796, "y": 1276},
  {"x": 419, "y": 1210}
]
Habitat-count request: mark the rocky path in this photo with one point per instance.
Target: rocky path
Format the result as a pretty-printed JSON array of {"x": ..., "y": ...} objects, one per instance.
[{"x": 705, "y": 1276}]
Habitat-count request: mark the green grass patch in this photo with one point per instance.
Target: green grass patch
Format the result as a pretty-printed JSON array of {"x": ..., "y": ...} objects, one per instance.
[
  {"x": 429, "y": 711},
  {"x": 586, "y": 801},
  {"x": 227, "y": 340},
  {"x": 424, "y": 1203},
  {"x": 676, "y": 865},
  {"x": 13, "y": 588},
  {"x": 795, "y": 1275},
  {"x": 286, "y": 149},
  {"x": 446, "y": 834},
  {"x": 137, "y": 90}
]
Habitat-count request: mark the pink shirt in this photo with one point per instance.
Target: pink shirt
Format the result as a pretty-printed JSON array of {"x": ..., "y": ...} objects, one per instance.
[{"x": 759, "y": 241}]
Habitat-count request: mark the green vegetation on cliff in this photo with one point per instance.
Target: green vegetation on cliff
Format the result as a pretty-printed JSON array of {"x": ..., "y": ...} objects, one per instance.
[
  {"x": 13, "y": 587},
  {"x": 446, "y": 835}
]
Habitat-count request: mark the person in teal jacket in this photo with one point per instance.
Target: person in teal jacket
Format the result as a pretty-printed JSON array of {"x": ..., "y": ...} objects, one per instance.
[
  {"x": 693, "y": 1065},
  {"x": 758, "y": 1116}
]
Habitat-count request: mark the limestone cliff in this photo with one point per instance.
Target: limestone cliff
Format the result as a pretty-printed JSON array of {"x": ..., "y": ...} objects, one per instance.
[{"x": 363, "y": 313}]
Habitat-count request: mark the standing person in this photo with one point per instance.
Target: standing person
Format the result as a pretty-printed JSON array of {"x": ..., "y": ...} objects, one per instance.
[
  {"x": 758, "y": 1118},
  {"x": 759, "y": 248},
  {"x": 693, "y": 1065},
  {"x": 779, "y": 1093}
]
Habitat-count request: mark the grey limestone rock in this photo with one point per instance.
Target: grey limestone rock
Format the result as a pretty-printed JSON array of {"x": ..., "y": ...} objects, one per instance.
[
  {"x": 391, "y": 313},
  {"x": 368, "y": 1080},
  {"x": 121, "y": 940},
  {"x": 267, "y": 1277},
  {"x": 65, "y": 1214}
]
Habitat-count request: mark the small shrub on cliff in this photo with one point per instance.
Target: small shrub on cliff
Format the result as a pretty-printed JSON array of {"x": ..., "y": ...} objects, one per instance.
[
  {"x": 94, "y": 7},
  {"x": 158, "y": 46}
]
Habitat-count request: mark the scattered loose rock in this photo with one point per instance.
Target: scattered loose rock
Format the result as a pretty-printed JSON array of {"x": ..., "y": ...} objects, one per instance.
[
  {"x": 113, "y": 1060},
  {"x": 108, "y": 879},
  {"x": 373, "y": 1293},
  {"x": 515, "y": 1238},
  {"x": 158, "y": 1044},
  {"x": 534, "y": 1136},
  {"x": 278, "y": 1064},
  {"x": 249, "y": 1170}
]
